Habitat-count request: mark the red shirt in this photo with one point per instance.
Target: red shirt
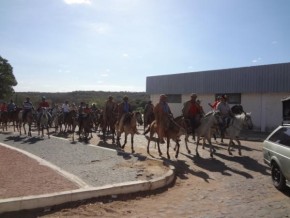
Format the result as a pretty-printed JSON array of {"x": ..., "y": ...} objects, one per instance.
[
  {"x": 3, "y": 108},
  {"x": 43, "y": 104},
  {"x": 193, "y": 110}
]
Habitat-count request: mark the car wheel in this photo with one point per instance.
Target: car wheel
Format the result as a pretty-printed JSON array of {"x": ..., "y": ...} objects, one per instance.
[{"x": 277, "y": 177}]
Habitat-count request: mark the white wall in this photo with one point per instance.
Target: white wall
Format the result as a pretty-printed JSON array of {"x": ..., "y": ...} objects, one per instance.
[{"x": 266, "y": 109}]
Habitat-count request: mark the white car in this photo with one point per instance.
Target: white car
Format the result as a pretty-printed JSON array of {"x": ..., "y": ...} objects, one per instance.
[{"x": 276, "y": 151}]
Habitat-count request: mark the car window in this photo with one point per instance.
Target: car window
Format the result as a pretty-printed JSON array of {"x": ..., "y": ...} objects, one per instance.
[{"x": 282, "y": 136}]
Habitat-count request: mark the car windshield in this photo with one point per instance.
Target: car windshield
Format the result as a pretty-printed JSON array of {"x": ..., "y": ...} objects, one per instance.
[{"x": 282, "y": 136}]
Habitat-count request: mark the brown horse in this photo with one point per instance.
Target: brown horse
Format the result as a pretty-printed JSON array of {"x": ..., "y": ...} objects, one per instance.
[
  {"x": 13, "y": 117},
  {"x": 109, "y": 125},
  {"x": 28, "y": 119},
  {"x": 129, "y": 127},
  {"x": 85, "y": 126},
  {"x": 148, "y": 118},
  {"x": 173, "y": 132},
  {"x": 4, "y": 119}
]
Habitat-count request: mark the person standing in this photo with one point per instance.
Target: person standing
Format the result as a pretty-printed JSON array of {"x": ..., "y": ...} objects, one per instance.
[{"x": 65, "y": 110}]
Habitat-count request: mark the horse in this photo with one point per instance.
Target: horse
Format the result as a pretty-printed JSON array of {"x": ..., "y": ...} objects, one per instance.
[
  {"x": 235, "y": 127},
  {"x": 148, "y": 118},
  {"x": 13, "y": 117},
  {"x": 54, "y": 117},
  {"x": 70, "y": 120},
  {"x": 85, "y": 126},
  {"x": 173, "y": 132},
  {"x": 28, "y": 119},
  {"x": 43, "y": 122},
  {"x": 207, "y": 123},
  {"x": 129, "y": 127},
  {"x": 109, "y": 124},
  {"x": 184, "y": 123},
  {"x": 4, "y": 119}
]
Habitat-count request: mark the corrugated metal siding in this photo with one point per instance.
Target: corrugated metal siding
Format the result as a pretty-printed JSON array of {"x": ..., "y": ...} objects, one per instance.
[{"x": 257, "y": 79}]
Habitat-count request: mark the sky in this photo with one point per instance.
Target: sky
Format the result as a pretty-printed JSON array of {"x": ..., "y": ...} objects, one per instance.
[{"x": 113, "y": 45}]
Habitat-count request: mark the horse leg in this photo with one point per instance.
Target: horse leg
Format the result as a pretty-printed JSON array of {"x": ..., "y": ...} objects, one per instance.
[
  {"x": 177, "y": 150},
  {"x": 47, "y": 128},
  {"x": 197, "y": 143},
  {"x": 29, "y": 130},
  {"x": 239, "y": 146},
  {"x": 132, "y": 143},
  {"x": 24, "y": 129},
  {"x": 168, "y": 141},
  {"x": 125, "y": 141},
  {"x": 229, "y": 147}
]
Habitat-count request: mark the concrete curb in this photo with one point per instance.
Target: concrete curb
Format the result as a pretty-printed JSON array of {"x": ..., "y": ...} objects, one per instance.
[
  {"x": 47, "y": 200},
  {"x": 85, "y": 191}
]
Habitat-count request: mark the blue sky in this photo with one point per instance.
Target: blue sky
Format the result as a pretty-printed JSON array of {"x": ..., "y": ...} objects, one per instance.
[{"x": 113, "y": 45}]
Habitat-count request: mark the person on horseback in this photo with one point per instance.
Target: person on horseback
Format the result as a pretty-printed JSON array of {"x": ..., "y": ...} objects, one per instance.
[
  {"x": 214, "y": 105},
  {"x": 226, "y": 113},
  {"x": 27, "y": 107},
  {"x": 191, "y": 111},
  {"x": 109, "y": 109},
  {"x": 65, "y": 110},
  {"x": 148, "y": 113},
  {"x": 124, "y": 110},
  {"x": 163, "y": 115},
  {"x": 11, "y": 107},
  {"x": 43, "y": 105}
]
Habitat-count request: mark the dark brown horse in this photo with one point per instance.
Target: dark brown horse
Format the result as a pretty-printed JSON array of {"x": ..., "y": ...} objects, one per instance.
[
  {"x": 27, "y": 120},
  {"x": 108, "y": 126},
  {"x": 4, "y": 119}
]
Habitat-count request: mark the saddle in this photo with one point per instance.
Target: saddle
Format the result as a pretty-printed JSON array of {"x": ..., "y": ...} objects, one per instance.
[{"x": 127, "y": 118}]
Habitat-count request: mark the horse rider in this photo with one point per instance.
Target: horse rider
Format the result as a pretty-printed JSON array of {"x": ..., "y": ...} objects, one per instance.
[
  {"x": 163, "y": 115},
  {"x": 202, "y": 113},
  {"x": 191, "y": 111},
  {"x": 65, "y": 110},
  {"x": 124, "y": 110},
  {"x": 226, "y": 113},
  {"x": 214, "y": 105},
  {"x": 109, "y": 109},
  {"x": 43, "y": 105},
  {"x": 27, "y": 107},
  {"x": 148, "y": 113},
  {"x": 11, "y": 107}
]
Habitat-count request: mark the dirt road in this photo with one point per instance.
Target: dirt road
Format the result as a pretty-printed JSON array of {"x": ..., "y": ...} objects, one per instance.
[{"x": 225, "y": 186}]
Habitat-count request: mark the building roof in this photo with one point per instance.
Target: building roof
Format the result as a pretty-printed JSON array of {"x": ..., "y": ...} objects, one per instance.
[{"x": 255, "y": 79}]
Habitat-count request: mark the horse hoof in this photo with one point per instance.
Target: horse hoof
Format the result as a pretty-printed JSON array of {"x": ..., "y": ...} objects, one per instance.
[
  {"x": 211, "y": 155},
  {"x": 189, "y": 152},
  {"x": 240, "y": 153},
  {"x": 133, "y": 151}
]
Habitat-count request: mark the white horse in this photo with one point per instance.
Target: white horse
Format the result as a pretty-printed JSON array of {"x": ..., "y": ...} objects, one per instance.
[
  {"x": 43, "y": 122},
  {"x": 207, "y": 123},
  {"x": 235, "y": 127}
]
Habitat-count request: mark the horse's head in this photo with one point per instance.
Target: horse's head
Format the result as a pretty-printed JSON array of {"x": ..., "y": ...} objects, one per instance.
[
  {"x": 248, "y": 120},
  {"x": 138, "y": 116}
]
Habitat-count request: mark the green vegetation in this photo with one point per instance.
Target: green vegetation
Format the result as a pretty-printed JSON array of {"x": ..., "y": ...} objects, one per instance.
[
  {"x": 7, "y": 79},
  {"x": 137, "y": 99}
]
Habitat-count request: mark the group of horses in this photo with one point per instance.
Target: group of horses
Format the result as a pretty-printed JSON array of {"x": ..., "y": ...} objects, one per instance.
[
  {"x": 94, "y": 121},
  {"x": 209, "y": 126}
]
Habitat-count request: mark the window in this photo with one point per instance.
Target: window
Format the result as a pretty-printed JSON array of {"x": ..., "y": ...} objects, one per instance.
[
  {"x": 282, "y": 136},
  {"x": 173, "y": 98},
  {"x": 233, "y": 98}
]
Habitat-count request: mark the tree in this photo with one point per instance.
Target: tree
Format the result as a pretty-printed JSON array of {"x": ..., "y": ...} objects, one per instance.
[{"x": 7, "y": 79}]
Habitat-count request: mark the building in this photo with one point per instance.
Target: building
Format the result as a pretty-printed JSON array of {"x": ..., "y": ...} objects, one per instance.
[{"x": 259, "y": 89}]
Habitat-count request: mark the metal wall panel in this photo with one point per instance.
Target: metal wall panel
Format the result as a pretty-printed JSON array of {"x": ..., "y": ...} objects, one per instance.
[{"x": 256, "y": 79}]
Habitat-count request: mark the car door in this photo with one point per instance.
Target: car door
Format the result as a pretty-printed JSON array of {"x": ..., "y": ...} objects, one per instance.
[{"x": 281, "y": 139}]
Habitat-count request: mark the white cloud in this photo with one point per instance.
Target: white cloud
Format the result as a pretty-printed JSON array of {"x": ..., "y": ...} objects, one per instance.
[
  {"x": 125, "y": 55},
  {"x": 257, "y": 60},
  {"x": 69, "y": 2}
]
